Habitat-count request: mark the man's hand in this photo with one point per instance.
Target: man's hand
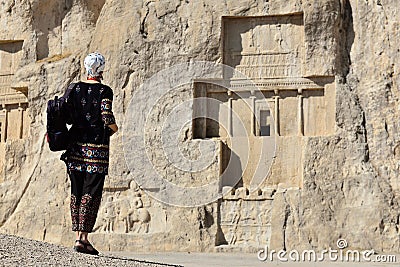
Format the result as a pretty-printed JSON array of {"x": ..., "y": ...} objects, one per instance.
[{"x": 114, "y": 128}]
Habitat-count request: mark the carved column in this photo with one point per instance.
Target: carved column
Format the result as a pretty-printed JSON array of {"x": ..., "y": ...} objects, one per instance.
[
  {"x": 253, "y": 113},
  {"x": 5, "y": 126},
  {"x": 276, "y": 98},
  {"x": 230, "y": 120},
  {"x": 300, "y": 113},
  {"x": 203, "y": 94},
  {"x": 200, "y": 114},
  {"x": 21, "y": 121}
]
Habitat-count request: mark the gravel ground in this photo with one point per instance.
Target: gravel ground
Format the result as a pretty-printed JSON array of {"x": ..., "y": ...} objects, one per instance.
[{"x": 18, "y": 251}]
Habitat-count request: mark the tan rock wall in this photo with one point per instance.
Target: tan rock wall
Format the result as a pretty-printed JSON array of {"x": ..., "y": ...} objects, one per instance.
[{"x": 339, "y": 179}]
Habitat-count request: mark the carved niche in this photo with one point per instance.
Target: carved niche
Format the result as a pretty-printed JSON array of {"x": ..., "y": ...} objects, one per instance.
[
  {"x": 266, "y": 52},
  {"x": 14, "y": 120}
]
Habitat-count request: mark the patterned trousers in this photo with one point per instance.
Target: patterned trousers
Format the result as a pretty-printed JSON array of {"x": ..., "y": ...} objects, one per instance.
[{"x": 86, "y": 191}]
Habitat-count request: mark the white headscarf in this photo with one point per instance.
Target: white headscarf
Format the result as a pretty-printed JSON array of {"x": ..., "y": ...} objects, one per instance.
[{"x": 94, "y": 64}]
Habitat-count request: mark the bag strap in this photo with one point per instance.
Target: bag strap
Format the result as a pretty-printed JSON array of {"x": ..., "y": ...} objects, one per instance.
[
  {"x": 66, "y": 96},
  {"x": 69, "y": 90}
]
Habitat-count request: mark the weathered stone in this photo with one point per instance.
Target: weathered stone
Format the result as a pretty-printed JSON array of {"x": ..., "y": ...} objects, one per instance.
[{"x": 329, "y": 96}]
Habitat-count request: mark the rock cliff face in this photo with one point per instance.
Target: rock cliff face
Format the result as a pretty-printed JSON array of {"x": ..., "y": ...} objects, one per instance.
[{"x": 328, "y": 70}]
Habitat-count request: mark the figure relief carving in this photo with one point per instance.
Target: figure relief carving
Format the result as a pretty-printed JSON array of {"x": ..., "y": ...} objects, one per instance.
[
  {"x": 264, "y": 47},
  {"x": 268, "y": 52},
  {"x": 109, "y": 215},
  {"x": 246, "y": 222},
  {"x": 139, "y": 217},
  {"x": 263, "y": 235},
  {"x": 264, "y": 217},
  {"x": 250, "y": 213},
  {"x": 281, "y": 44},
  {"x": 231, "y": 236},
  {"x": 233, "y": 216},
  {"x": 125, "y": 213}
]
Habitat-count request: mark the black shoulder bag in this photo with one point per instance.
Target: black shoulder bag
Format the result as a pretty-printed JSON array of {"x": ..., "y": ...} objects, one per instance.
[{"x": 58, "y": 115}]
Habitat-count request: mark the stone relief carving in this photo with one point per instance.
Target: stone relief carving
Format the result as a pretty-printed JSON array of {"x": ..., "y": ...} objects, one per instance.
[
  {"x": 231, "y": 236},
  {"x": 109, "y": 215},
  {"x": 14, "y": 120},
  {"x": 234, "y": 214},
  {"x": 270, "y": 52},
  {"x": 124, "y": 213},
  {"x": 246, "y": 218},
  {"x": 264, "y": 47},
  {"x": 10, "y": 56},
  {"x": 246, "y": 222}
]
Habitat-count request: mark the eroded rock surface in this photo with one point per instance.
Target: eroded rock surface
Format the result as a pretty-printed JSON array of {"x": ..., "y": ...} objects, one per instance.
[{"x": 335, "y": 174}]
